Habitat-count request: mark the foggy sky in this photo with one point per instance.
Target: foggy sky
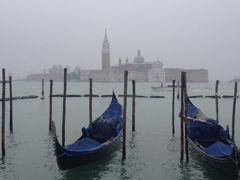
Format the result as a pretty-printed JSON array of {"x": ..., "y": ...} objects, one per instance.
[{"x": 36, "y": 34}]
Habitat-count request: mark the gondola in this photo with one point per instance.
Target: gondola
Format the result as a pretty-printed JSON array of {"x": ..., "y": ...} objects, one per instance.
[
  {"x": 100, "y": 138},
  {"x": 211, "y": 141}
]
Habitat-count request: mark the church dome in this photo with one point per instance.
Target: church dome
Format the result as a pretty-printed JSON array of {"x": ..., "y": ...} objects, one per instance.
[{"x": 139, "y": 58}]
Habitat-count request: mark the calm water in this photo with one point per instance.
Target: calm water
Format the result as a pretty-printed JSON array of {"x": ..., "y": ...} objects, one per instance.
[{"x": 152, "y": 151}]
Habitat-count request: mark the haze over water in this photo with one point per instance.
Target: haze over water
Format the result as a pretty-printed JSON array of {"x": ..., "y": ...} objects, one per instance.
[
  {"x": 187, "y": 34},
  {"x": 190, "y": 34}
]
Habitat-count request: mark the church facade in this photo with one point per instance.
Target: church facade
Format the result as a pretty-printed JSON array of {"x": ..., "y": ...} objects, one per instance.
[{"x": 138, "y": 69}]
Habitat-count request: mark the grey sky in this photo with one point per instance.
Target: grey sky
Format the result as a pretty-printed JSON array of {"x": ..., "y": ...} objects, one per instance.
[{"x": 36, "y": 34}]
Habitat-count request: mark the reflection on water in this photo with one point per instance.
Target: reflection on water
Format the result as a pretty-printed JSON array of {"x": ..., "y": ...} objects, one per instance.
[
  {"x": 2, "y": 163},
  {"x": 131, "y": 166},
  {"x": 133, "y": 141},
  {"x": 196, "y": 168},
  {"x": 7, "y": 161},
  {"x": 208, "y": 171},
  {"x": 90, "y": 171},
  {"x": 110, "y": 167}
]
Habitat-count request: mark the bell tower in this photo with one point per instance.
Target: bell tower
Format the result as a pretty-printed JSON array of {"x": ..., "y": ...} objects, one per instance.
[{"x": 105, "y": 54}]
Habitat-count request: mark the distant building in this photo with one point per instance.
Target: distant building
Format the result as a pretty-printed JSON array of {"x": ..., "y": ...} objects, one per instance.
[
  {"x": 96, "y": 75},
  {"x": 156, "y": 73},
  {"x": 141, "y": 70},
  {"x": 193, "y": 75},
  {"x": 138, "y": 69},
  {"x": 37, "y": 77},
  {"x": 55, "y": 73},
  {"x": 235, "y": 79},
  {"x": 104, "y": 74}
]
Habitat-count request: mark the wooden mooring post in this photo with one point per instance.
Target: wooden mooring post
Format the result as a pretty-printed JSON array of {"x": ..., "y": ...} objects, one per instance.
[
  {"x": 216, "y": 97},
  {"x": 183, "y": 81},
  {"x": 64, "y": 106},
  {"x": 173, "y": 108},
  {"x": 11, "y": 105},
  {"x": 42, "y": 89},
  {"x": 133, "y": 104},
  {"x": 234, "y": 109},
  {"x": 124, "y": 115},
  {"x": 50, "y": 105},
  {"x": 184, "y": 84},
  {"x": 3, "y": 112},
  {"x": 178, "y": 90},
  {"x": 90, "y": 101}
]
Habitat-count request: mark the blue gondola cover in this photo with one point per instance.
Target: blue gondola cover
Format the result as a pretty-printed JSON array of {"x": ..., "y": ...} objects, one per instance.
[
  {"x": 108, "y": 125},
  {"x": 219, "y": 149},
  {"x": 83, "y": 145},
  {"x": 212, "y": 141},
  {"x": 105, "y": 127},
  {"x": 192, "y": 110},
  {"x": 206, "y": 133}
]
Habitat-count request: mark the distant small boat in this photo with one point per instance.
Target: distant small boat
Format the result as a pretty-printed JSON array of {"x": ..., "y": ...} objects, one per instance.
[{"x": 98, "y": 140}]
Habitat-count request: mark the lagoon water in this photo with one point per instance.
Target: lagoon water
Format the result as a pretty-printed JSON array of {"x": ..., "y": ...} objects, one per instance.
[{"x": 152, "y": 151}]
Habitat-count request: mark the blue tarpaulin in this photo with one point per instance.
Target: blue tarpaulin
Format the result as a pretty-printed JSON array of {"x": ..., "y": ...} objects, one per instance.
[
  {"x": 108, "y": 124},
  {"x": 219, "y": 149},
  {"x": 105, "y": 127},
  {"x": 86, "y": 144},
  {"x": 192, "y": 110},
  {"x": 206, "y": 133}
]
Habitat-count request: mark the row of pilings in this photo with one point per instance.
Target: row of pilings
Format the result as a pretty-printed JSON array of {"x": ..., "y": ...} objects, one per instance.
[
  {"x": 183, "y": 116},
  {"x": 3, "y": 100},
  {"x": 90, "y": 108}
]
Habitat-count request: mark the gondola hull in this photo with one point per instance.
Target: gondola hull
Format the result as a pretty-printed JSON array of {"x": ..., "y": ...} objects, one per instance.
[
  {"x": 66, "y": 161},
  {"x": 211, "y": 141},
  {"x": 227, "y": 165},
  {"x": 99, "y": 139}
]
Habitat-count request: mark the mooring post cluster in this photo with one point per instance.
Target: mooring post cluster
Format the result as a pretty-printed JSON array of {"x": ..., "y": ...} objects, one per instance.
[
  {"x": 183, "y": 113},
  {"x": 90, "y": 108},
  {"x": 4, "y": 108}
]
